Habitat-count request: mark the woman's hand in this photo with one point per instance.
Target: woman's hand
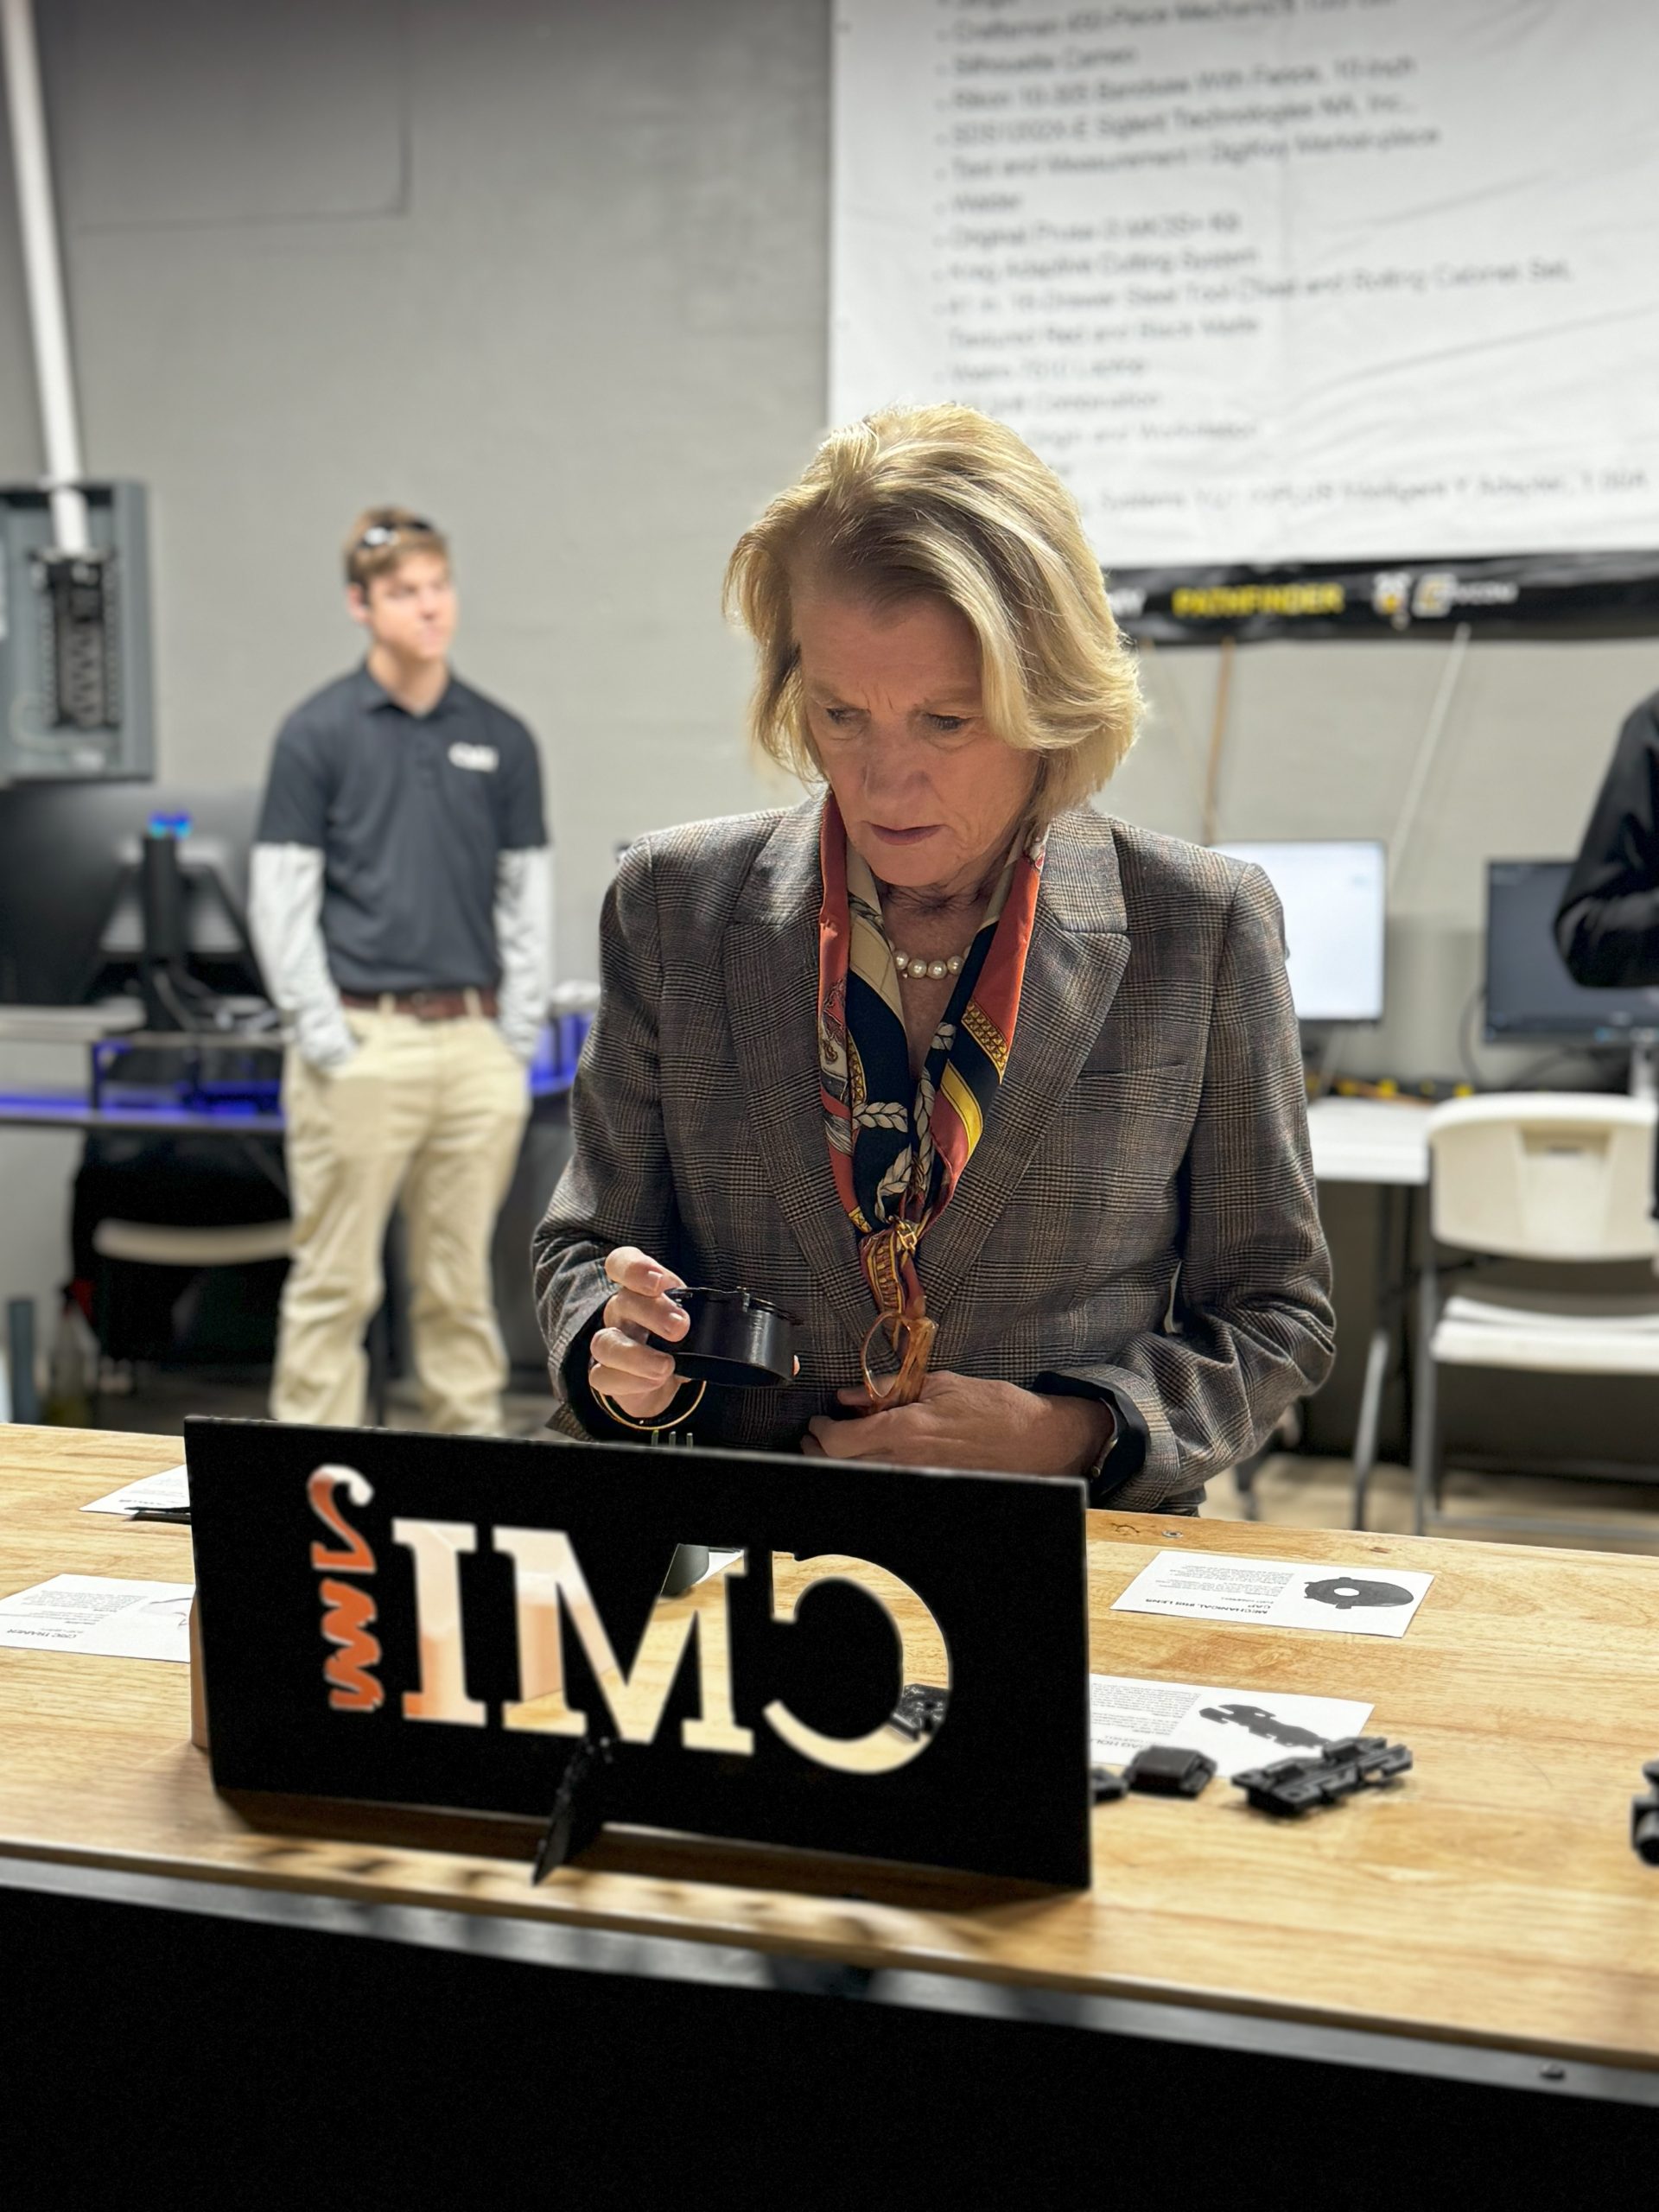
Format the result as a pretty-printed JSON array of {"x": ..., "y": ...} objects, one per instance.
[
  {"x": 961, "y": 1422},
  {"x": 622, "y": 1367}
]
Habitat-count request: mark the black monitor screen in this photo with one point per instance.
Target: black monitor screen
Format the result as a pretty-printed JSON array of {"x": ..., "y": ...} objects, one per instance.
[
  {"x": 70, "y": 926},
  {"x": 1528, "y": 990}
]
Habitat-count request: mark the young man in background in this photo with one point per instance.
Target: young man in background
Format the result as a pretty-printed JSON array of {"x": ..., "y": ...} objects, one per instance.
[{"x": 400, "y": 902}]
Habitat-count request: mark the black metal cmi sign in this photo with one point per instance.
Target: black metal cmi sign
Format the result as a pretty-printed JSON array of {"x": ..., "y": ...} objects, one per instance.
[{"x": 444, "y": 1623}]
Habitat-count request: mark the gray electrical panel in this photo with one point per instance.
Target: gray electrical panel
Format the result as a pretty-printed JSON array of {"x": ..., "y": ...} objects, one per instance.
[{"x": 74, "y": 641}]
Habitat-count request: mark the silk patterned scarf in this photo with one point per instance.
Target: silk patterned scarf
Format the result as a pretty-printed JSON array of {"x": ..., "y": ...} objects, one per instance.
[{"x": 898, "y": 1149}]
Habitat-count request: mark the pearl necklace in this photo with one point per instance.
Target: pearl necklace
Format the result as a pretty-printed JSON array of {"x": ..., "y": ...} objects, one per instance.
[{"x": 914, "y": 964}]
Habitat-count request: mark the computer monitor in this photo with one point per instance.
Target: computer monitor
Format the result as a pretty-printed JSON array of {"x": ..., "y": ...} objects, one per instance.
[
  {"x": 72, "y": 888},
  {"x": 1528, "y": 990},
  {"x": 1334, "y": 892}
]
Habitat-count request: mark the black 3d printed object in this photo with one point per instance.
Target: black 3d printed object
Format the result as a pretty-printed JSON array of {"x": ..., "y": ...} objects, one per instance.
[
  {"x": 578, "y": 1809},
  {"x": 920, "y": 1711},
  {"x": 1166, "y": 1770},
  {"x": 1644, "y": 1816},
  {"x": 735, "y": 1339},
  {"x": 1291, "y": 1786}
]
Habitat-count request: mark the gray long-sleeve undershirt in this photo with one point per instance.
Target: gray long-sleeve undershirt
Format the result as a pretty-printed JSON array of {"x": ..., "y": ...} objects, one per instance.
[{"x": 285, "y": 915}]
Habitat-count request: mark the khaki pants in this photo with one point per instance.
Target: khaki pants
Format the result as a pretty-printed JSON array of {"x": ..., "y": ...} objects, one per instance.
[{"x": 434, "y": 1111}]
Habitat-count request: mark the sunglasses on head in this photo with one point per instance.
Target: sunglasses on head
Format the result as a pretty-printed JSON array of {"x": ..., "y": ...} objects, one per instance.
[{"x": 385, "y": 533}]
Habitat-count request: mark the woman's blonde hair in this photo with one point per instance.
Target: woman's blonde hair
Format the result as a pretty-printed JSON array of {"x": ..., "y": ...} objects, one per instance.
[{"x": 943, "y": 501}]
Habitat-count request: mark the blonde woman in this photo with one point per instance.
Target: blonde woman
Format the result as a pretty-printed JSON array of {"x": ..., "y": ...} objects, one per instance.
[{"x": 1003, "y": 1097}]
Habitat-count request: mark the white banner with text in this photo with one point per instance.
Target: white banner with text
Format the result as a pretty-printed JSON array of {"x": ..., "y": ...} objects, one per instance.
[{"x": 1269, "y": 280}]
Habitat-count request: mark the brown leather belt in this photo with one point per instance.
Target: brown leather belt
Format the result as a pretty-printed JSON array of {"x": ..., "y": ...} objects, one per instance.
[{"x": 426, "y": 1005}]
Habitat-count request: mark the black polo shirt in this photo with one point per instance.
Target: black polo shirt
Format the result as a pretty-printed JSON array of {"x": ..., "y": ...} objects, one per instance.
[{"x": 412, "y": 813}]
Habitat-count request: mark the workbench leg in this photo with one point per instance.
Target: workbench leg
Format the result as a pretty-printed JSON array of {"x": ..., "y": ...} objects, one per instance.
[
  {"x": 1370, "y": 1406},
  {"x": 378, "y": 1346},
  {"x": 1244, "y": 1476},
  {"x": 386, "y": 1341},
  {"x": 1378, "y": 1353},
  {"x": 1409, "y": 1285},
  {"x": 1425, "y": 1426}
]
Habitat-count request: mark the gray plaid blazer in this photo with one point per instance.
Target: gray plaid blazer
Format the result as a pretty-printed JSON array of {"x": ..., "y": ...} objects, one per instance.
[{"x": 1138, "y": 1221}]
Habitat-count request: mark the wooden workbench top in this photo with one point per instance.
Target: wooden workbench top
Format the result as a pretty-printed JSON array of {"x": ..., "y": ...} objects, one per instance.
[{"x": 1492, "y": 1897}]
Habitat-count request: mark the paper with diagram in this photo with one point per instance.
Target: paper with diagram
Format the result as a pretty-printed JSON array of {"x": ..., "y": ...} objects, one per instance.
[
  {"x": 1277, "y": 1592},
  {"x": 1238, "y": 1729}
]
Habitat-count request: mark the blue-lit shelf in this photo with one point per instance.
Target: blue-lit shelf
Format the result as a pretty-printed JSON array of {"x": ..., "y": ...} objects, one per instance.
[{"x": 244, "y": 1108}]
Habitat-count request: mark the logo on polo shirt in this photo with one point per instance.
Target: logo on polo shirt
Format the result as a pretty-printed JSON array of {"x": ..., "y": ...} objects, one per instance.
[{"x": 485, "y": 758}]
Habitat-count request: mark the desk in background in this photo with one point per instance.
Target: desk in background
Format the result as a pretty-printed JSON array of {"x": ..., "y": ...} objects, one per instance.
[
  {"x": 1384, "y": 1142},
  {"x": 195, "y": 1104},
  {"x": 1484, "y": 1925}
]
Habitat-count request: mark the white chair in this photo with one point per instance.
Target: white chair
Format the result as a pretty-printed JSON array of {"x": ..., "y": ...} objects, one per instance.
[
  {"x": 163, "y": 1244},
  {"x": 159, "y": 1245},
  {"x": 1559, "y": 1176},
  {"x": 245, "y": 1243}
]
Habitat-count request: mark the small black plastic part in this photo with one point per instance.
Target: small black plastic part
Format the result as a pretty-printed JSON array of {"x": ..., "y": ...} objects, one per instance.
[
  {"x": 1292, "y": 1786},
  {"x": 919, "y": 1712},
  {"x": 736, "y": 1339},
  {"x": 687, "y": 1567},
  {"x": 1644, "y": 1817},
  {"x": 578, "y": 1808},
  {"x": 1166, "y": 1770},
  {"x": 1106, "y": 1785}
]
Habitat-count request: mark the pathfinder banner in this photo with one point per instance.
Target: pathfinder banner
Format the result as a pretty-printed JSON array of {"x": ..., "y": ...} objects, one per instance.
[{"x": 1537, "y": 595}]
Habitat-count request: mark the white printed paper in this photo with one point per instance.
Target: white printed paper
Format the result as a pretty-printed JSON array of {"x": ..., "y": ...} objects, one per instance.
[
  {"x": 1277, "y": 1592},
  {"x": 154, "y": 1493},
  {"x": 96, "y": 1614},
  {"x": 718, "y": 1563},
  {"x": 1238, "y": 1729}
]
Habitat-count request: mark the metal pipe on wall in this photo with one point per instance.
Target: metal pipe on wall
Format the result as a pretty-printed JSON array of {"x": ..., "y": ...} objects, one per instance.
[
  {"x": 1429, "y": 747},
  {"x": 1218, "y": 727},
  {"x": 43, "y": 276}
]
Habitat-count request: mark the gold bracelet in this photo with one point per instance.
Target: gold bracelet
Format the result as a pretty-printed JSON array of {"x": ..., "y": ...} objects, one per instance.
[{"x": 649, "y": 1428}]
